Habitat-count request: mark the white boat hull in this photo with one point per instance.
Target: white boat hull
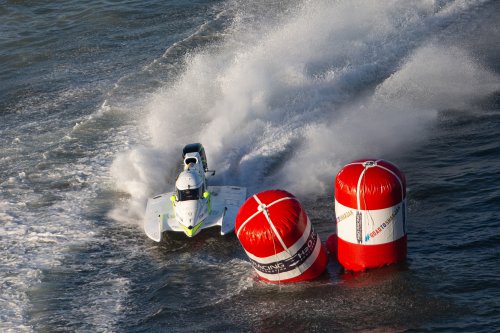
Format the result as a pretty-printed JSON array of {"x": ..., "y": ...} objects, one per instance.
[{"x": 225, "y": 202}]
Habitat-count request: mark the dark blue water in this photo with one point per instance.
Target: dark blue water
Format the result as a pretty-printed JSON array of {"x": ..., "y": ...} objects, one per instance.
[{"x": 98, "y": 97}]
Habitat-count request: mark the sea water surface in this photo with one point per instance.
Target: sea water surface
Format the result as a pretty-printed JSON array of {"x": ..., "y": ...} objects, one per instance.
[{"x": 97, "y": 98}]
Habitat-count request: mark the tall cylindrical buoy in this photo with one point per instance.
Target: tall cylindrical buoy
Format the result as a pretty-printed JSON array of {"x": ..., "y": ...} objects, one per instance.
[
  {"x": 275, "y": 232},
  {"x": 370, "y": 209}
]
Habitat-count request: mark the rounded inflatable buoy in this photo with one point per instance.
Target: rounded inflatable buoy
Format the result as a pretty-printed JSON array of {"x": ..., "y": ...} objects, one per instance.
[
  {"x": 275, "y": 232},
  {"x": 370, "y": 209}
]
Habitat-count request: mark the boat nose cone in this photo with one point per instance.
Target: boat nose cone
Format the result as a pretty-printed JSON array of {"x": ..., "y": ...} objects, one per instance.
[
  {"x": 191, "y": 230},
  {"x": 191, "y": 216}
]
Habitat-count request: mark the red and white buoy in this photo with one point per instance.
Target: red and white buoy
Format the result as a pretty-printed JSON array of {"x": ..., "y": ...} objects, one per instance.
[
  {"x": 275, "y": 232},
  {"x": 370, "y": 209}
]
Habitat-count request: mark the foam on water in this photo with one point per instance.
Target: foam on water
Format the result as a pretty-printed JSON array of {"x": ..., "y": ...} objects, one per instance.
[
  {"x": 285, "y": 102},
  {"x": 56, "y": 146},
  {"x": 46, "y": 209}
]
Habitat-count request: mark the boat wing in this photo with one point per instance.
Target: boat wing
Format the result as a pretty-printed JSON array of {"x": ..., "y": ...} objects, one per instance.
[
  {"x": 160, "y": 216},
  {"x": 227, "y": 199}
]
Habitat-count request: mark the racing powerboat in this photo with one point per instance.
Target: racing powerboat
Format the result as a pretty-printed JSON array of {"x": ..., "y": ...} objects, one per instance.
[{"x": 193, "y": 205}]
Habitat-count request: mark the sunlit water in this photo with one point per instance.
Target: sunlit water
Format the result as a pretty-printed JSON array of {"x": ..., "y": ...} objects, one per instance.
[{"x": 97, "y": 99}]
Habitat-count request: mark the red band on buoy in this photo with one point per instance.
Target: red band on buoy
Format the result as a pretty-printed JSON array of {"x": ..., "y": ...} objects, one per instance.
[{"x": 379, "y": 183}]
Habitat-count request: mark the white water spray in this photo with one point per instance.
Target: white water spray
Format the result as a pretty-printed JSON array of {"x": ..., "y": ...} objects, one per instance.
[{"x": 286, "y": 102}]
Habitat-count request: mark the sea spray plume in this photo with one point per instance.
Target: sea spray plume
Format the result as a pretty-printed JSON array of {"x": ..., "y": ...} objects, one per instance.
[
  {"x": 139, "y": 173},
  {"x": 394, "y": 118},
  {"x": 286, "y": 101},
  {"x": 321, "y": 56},
  {"x": 439, "y": 77}
]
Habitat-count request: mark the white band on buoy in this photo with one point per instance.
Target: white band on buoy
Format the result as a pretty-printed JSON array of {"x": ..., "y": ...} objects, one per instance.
[
  {"x": 291, "y": 262},
  {"x": 346, "y": 218}
]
